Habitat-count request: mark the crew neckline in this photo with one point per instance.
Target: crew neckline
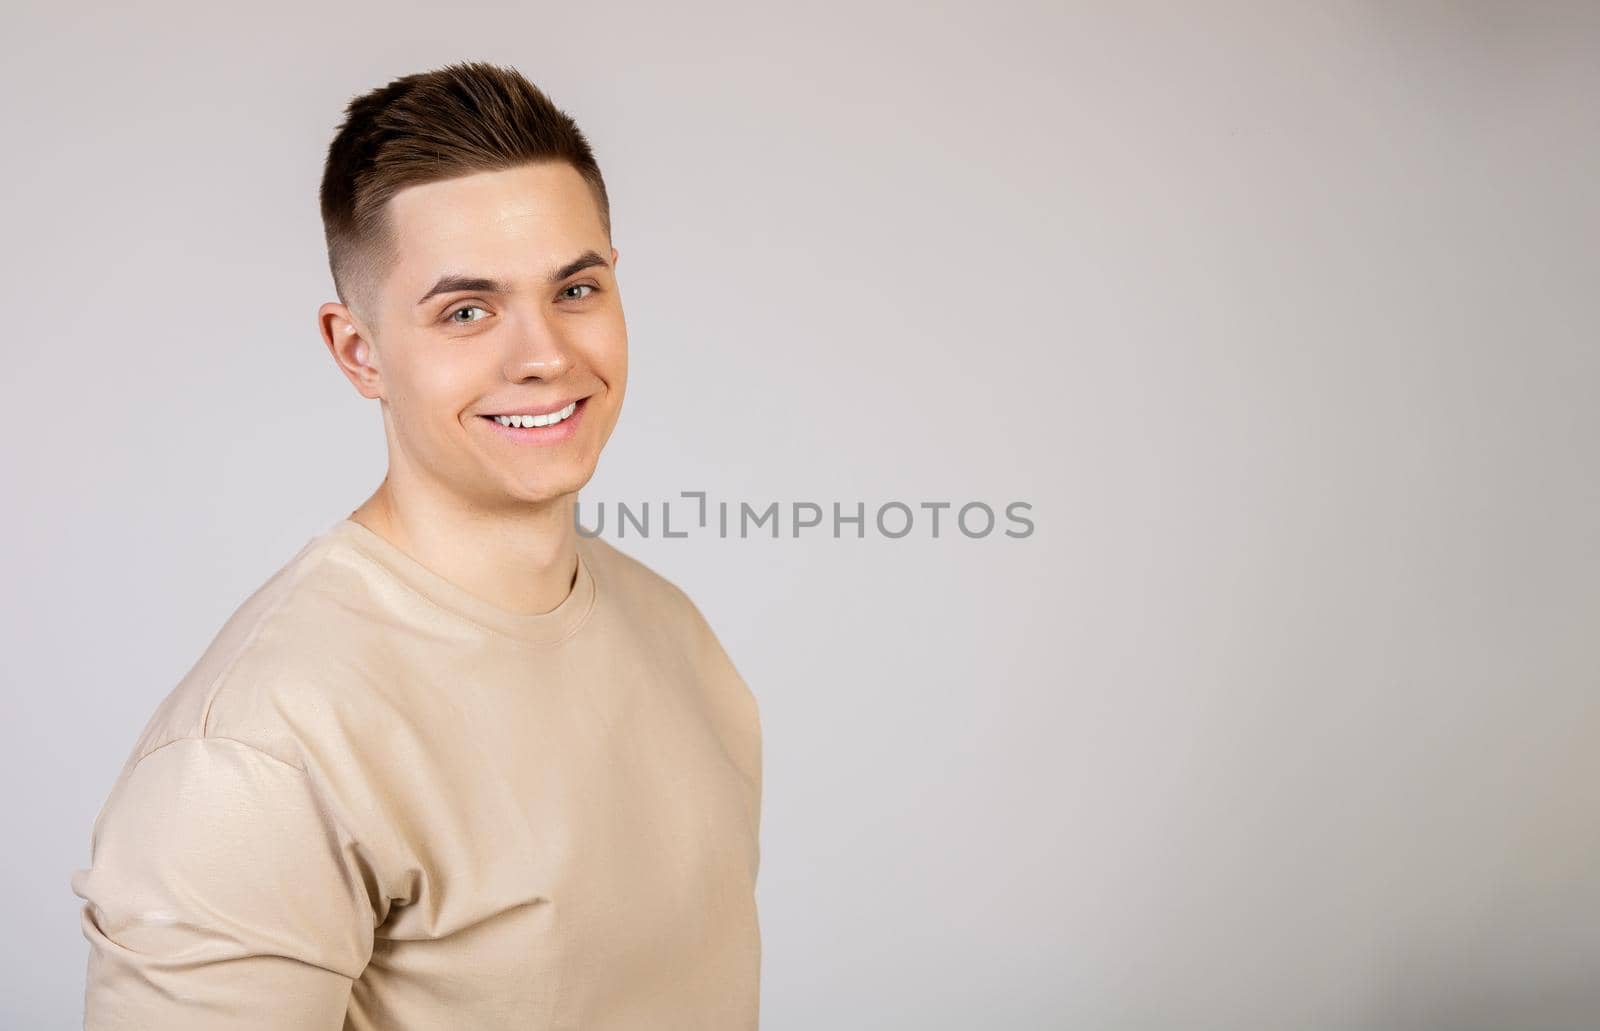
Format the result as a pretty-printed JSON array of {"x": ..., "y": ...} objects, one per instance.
[{"x": 535, "y": 628}]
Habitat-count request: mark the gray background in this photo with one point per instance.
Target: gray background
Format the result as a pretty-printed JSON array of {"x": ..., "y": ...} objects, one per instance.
[{"x": 1280, "y": 316}]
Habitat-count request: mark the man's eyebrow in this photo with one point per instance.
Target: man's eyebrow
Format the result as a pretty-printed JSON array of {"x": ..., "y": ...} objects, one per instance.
[{"x": 452, "y": 282}]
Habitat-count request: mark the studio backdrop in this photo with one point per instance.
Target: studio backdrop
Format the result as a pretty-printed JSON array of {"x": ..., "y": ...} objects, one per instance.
[{"x": 1142, "y": 458}]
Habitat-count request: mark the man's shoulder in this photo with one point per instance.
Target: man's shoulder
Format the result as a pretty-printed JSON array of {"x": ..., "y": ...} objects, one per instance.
[
  {"x": 628, "y": 581},
  {"x": 299, "y": 644},
  {"x": 654, "y": 608}
]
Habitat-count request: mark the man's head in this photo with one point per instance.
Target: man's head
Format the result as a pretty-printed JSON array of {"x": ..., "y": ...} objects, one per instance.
[{"x": 469, "y": 237}]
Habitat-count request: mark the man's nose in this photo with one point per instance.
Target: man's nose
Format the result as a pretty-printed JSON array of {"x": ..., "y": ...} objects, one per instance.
[{"x": 537, "y": 352}]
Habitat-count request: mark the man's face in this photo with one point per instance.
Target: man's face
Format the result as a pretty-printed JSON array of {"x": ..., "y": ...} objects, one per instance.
[{"x": 535, "y": 333}]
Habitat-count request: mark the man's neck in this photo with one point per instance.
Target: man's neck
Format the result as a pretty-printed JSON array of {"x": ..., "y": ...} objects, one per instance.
[{"x": 524, "y": 561}]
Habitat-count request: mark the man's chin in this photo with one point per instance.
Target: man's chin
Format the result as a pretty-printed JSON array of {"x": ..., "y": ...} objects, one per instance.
[{"x": 547, "y": 490}]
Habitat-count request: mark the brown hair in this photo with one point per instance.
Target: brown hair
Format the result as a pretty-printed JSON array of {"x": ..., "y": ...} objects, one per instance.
[{"x": 456, "y": 120}]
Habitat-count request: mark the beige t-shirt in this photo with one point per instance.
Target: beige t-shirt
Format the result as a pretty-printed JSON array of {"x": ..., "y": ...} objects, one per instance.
[{"x": 378, "y": 801}]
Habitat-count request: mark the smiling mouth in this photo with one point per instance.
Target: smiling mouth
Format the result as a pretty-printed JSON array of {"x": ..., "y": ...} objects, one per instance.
[
  {"x": 548, "y": 429},
  {"x": 532, "y": 421}
]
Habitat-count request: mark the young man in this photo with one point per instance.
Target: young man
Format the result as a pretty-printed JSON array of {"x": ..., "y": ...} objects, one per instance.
[{"x": 455, "y": 765}]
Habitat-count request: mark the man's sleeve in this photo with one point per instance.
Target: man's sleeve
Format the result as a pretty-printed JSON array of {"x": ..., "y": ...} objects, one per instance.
[{"x": 221, "y": 895}]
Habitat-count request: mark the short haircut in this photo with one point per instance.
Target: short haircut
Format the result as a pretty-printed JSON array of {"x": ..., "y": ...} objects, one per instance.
[{"x": 457, "y": 120}]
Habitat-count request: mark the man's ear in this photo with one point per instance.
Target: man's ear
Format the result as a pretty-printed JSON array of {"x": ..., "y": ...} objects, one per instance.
[{"x": 349, "y": 343}]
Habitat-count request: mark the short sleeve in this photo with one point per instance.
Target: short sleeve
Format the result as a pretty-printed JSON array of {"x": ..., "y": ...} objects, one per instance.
[{"x": 221, "y": 895}]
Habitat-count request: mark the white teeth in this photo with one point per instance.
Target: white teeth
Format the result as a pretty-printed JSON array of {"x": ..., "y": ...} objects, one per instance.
[{"x": 526, "y": 421}]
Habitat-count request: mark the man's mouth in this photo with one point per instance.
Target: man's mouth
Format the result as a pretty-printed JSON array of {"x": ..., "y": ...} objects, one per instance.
[
  {"x": 530, "y": 421},
  {"x": 544, "y": 428}
]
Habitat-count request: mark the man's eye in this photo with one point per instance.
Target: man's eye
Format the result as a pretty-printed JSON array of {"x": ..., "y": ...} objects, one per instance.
[
  {"x": 466, "y": 307},
  {"x": 578, "y": 286}
]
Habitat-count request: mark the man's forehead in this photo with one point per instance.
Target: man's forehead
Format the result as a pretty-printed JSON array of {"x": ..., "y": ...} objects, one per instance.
[
  {"x": 508, "y": 198},
  {"x": 495, "y": 231}
]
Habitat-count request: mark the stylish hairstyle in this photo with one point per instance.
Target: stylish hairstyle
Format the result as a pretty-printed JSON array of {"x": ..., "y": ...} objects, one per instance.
[{"x": 456, "y": 120}]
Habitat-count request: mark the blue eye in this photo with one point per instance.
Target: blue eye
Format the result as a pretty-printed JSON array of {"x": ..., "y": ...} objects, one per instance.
[
  {"x": 451, "y": 317},
  {"x": 580, "y": 286}
]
